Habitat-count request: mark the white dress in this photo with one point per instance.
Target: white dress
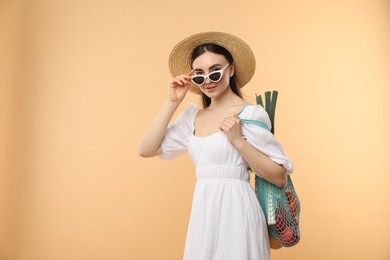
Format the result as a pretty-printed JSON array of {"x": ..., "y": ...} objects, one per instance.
[{"x": 227, "y": 222}]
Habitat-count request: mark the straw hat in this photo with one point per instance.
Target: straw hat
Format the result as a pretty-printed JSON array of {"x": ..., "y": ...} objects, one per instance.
[{"x": 244, "y": 60}]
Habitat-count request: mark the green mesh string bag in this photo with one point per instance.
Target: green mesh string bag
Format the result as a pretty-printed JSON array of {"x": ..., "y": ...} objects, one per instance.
[{"x": 281, "y": 206}]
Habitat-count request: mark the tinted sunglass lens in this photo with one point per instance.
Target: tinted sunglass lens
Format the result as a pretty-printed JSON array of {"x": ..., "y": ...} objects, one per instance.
[
  {"x": 215, "y": 76},
  {"x": 198, "y": 80}
]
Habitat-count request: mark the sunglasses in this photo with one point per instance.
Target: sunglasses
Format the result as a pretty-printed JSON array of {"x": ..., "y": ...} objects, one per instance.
[{"x": 214, "y": 76}]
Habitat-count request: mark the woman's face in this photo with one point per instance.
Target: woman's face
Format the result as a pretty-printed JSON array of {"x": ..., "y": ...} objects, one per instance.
[{"x": 207, "y": 63}]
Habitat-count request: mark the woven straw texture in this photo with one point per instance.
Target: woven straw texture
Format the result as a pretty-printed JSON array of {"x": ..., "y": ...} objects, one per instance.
[{"x": 244, "y": 60}]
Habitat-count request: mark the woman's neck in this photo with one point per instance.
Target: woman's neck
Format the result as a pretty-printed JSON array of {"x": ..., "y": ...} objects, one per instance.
[{"x": 226, "y": 99}]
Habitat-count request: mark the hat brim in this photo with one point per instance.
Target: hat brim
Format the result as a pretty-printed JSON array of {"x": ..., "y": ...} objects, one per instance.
[{"x": 244, "y": 60}]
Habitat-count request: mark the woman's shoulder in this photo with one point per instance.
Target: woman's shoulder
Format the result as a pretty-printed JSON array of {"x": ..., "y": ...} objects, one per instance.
[
  {"x": 192, "y": 107},
  {"x": 256, "y": 113},
  {"x": 253, "y": 110},
  {"x": 189, "y": 112}
]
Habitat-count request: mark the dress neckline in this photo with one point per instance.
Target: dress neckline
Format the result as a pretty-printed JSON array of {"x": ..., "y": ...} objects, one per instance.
[{"x": 215, "y": 133}]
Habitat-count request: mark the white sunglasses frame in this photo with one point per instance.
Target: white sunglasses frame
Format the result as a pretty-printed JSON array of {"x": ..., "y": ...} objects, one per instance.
[{"x": 207, "y": 76}]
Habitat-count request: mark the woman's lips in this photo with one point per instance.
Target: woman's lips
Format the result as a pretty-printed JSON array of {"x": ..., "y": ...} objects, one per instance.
[{"x": 211, "y": 89}]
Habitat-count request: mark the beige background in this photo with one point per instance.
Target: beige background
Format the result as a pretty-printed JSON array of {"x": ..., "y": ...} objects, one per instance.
[{"x": 81, "y": 80}]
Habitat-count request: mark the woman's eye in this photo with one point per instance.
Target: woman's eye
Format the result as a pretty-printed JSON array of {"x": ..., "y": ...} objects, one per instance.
[{"x": 199, "y": 73}]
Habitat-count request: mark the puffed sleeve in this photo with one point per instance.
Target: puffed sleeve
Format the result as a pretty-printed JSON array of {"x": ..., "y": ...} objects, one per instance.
[
  {"x": 256, "y": 130},
  {"x": 175, "y": 140}
]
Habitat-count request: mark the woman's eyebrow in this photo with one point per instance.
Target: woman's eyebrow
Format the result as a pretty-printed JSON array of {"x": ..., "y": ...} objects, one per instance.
[
  {"x": 215, "y": 65},
  {"x": 212, "y": 67}
]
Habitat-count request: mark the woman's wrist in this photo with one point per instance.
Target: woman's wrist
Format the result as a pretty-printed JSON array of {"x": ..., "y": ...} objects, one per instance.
[
  {"x": 239, "y": 143},
  {"x": 173, "y": 104}
]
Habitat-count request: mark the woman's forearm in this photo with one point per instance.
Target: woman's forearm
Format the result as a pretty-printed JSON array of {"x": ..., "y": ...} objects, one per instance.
[
  {"x": 150, "y": 144},
  {"x": 263, "y": 166}
]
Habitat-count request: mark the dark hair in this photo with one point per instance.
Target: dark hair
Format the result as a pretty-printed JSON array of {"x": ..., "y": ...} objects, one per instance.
[{"x": 211, "y": 47}]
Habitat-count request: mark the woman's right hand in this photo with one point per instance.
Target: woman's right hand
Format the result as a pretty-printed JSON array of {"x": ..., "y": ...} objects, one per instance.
[{"x": 179, "y": 87}]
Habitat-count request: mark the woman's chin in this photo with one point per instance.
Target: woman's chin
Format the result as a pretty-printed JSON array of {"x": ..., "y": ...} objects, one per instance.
[{"x": 211, "y": 95}]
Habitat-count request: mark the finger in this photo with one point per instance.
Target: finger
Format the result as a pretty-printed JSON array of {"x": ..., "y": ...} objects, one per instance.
[
  {"x": 227, "y": 125},
  {"x": 223, "y": 128},
  {"x": 232, "y": 121},
  {"x": 187, "y": 76},
  {"x": 177, "y": 81},
  {"x": 236, "y": 119},
  {"x": 229, "y": 122},
  {"x": 182, "y": 79}
]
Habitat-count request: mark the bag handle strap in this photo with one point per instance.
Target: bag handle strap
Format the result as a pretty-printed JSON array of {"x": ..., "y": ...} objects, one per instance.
[
  {"x": 270, "y": 106},
  {"x": 253, "y": 122}
]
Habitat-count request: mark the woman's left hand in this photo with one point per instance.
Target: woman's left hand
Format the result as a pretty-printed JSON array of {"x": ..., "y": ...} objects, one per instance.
[{"x": 231, "y": 126}]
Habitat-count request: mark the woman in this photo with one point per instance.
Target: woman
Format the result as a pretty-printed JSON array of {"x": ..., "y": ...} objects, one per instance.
[{"x": 223, "y": 139}]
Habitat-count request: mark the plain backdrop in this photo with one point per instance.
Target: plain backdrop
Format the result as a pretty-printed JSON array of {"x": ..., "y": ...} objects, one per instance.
[{"x": 80, "y": 81}]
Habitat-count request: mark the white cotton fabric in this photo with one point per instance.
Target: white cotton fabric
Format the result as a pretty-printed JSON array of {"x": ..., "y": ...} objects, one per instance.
[{"x": 227, "y": 222}]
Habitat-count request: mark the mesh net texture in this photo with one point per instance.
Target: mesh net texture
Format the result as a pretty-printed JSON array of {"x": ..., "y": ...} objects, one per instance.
[{"x": 281, "y": 207}]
